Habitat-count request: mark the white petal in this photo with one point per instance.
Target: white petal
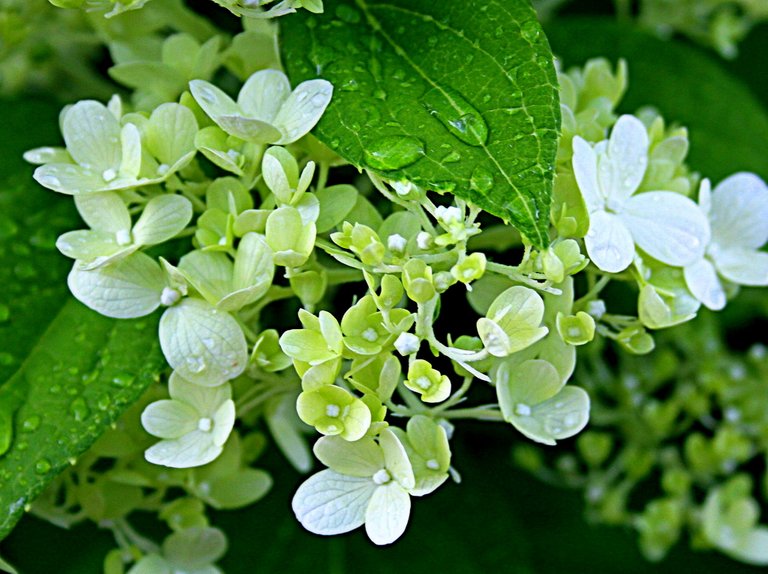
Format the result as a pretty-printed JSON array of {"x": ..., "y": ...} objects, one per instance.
[
  {"x": 332, "y": 503},
  {"x": 128, "y": 289},
  {"x": 69, "y": 178},
  {"x": 223, "y": 422},
  {"x": 628, "y": 153},
  {"x": 209, "y": 272},
  {"x": 206, "y": 346},
  {"x": 263, "y": 93},
  {"x": 248, "y": 129},
  {"x": 396, "y": 459},
  {"x": 86, "y": 245},
  {"x": 668, "y": 226},
  {"x": 104, "y": 211},
  {"x": 739, "y": 214},
  {"x": 302, "y": 110},
  {"x": 701, "y": 279},
  {"x": 387, "y": 514},
  {"x": 566, "y": 413},
  {"x": 164, "y": 217},
  {"x": 193, "y": 449},
  {"x": 752, "y": 548},
  {"x": 213, "y": 101},
  {"x": 169, "y": 419},
  {"x": 609, "y": 243},
  {"x": 92, "y": 135},
  {"x": 743, "y": 266},
  {"x": 585, "y": 170}
]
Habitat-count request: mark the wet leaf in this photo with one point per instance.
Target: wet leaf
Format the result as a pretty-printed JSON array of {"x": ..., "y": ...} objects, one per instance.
[{"x": 457, "y": 97}]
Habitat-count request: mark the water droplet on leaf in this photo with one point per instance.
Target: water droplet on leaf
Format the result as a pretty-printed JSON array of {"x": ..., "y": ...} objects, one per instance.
[
  {"x": 482, "y": 179},
  {"x": 459, "y": 117},
  {"x": 42, "y": 466},
  {"x": 79, "y": 409},
  {"x": 31, "y": 423},
  {"x": 394, "y": 152}
]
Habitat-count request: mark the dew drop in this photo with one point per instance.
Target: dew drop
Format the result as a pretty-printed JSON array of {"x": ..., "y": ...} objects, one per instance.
[
  {"x": 530, "y": 30},
  {"x": 195, "y": 364},
  {"x": 380, "y": 94},
  {"x": 79, "y": 409},
  {"x": 122, "y": 380},
  {"x": 458, "y": 116},
  {"x": 482, "y": 179},
  {"x": 42, "y": 466},
  {"x": 31, "y": 423},
  {"x": 108, "y": 175},
  {"x": 452, "y": 157},
  {"x": 394, "y": 152},
  {"x": 49, "y": 181},
  {"x": 350, "y": 85}
]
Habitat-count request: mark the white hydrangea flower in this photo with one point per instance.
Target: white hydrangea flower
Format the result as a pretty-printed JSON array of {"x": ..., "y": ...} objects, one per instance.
[
  {"x": 194, "y": 424},
  {"x": 266, "y": 110},
  {"x": 738, "y": 217},
  {"x": 666, "y": 225},
  {"x": 367, "y": 483}
]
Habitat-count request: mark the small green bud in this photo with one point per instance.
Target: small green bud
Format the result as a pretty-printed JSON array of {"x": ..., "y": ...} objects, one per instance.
[
  {"x": 433, "y": 386},
  {"x": 417, "y": 280},
  {"x": 594, "y": 447},
  {"x": 470, "y": 268},
  {"x": 290, "y": 239},
  {"x": 334, "y": 411},
  {"x": 636, "y": 340},
  {"x": 578, "y": 329}
]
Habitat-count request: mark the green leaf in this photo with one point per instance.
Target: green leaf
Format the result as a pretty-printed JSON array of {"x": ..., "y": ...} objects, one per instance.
[
  {"x": 65, "y": 373},
  {"x": 83, "y": 372},
  {"x": 458, "y": 98},
  {"x": 723, "y": 116}
]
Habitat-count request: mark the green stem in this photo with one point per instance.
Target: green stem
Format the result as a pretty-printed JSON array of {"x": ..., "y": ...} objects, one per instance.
[
  {"x": 479, "y": 413},
  {"x": 455, "y": 397}
]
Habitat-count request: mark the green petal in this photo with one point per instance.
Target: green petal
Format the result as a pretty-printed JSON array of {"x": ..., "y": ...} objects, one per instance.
[
  {"x": 238, "y": 490},
  {"x": 104, "y": 211},
  {"x": 387, "y": 514},
  {"x": 252, "y": 274},
  {"x": 43, "y": 155},
  {"x": 130, "y": 142},
  {"x": 195, "y": 548},
  {"x": 307, "y": 346},
  {"x": 248, "y": 129},
  {"x": 212, "y": 142},
  {"x": 562, "y": 416},
  {"x": 92, "y": 136},
  {"x": 130, "y": 288},
  {"x": 209, "y": 272},
  {"x": 284, "y": 426},
  {"x": 263, "y": 93},
  {"x": 151, "y": 564},
  {"x": 280, "y": 172},
  {"x": 170, "y": 134},
  {"x": 205, "y": 400},
  {"x": 336, "y": 202},
  {"x": 362, "y": 458},
  {"x": 529, "y": 384},
  {"x": 163, "y": 218},
  {"x": 223, "y": 422},
  {"x": 169, "y": 419},
  {"x": 332, "y": 503},
  {"x": 206, "y": 346}
]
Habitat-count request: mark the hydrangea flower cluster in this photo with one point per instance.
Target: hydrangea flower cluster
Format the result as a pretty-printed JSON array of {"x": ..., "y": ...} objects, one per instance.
[{"x": 245, "y": 181}]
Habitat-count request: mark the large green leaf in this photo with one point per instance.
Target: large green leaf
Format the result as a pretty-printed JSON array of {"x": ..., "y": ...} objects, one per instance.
[
  {"x": 728, "y": 125},
  {"x": 66, "y": 373},
  {"x": 454, "y": 96}
]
